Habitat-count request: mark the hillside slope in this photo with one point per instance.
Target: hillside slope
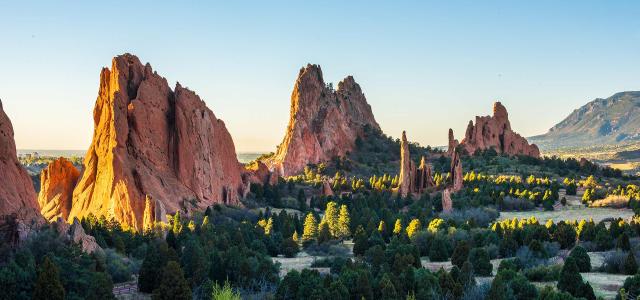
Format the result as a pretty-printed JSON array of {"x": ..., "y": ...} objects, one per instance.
[{"x": 610, "y": 121}]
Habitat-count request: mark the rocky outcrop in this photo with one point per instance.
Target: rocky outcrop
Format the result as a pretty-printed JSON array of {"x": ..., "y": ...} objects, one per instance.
[
  {"x": 154, "y": 149},
  {"x": 447, "y": 203},
  {"x": 17, "y": 196},
  {"x": 74, "y": 233},
  {"x": 412, "y": 180},
  {"x": 56, "y": 189},
  {"x": 326, "y": 188},
  {"x": 494, "y": 132},
  {"x": 257, "y": 172},
  {"x": 323, "y": 123}
]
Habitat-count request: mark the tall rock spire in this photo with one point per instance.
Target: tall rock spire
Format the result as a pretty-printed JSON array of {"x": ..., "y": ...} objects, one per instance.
[
  {"x": 153, "y": 149},
  {"x": 323, "y": 122},
  {"x": 406, "y": 175}
]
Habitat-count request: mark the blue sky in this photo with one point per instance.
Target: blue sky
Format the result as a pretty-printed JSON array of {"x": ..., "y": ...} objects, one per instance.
[{"x": 424, "y": 66}]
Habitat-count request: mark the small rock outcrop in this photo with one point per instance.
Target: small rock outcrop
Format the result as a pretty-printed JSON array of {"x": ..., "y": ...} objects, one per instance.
[
  {"x": 413, "y": 180},
  {"x": 154, "y": 149},
  {"x": 326, "y": 188},
  {"x": 494, "y": 132},
  {"x": 56, "y": 189},
  {"x": 75, "y": 233},
  {"x": 257, "y": 172},
  {"x": 323, "y": 123},
  {"x": 18, "y": 200},
  {"x": 454, "y": 183}
]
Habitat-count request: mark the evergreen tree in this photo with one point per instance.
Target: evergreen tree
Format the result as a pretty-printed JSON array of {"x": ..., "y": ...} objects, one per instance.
[
  {"x": 360, "y": 241},
  {"x": 623, "y": 242},
  {"x": 48, "y": 285},
  {"x": 310, "y": 228},
  {"x": 101, "y": 287},
  {"x": 152, "y": 265},
  {"x": 194, "y": 262},
  {"x": 324, "y": 233},
  {"x": 630, "y": 267},
  {"x": 570, "y": 279},
  {"x": 344, "y": 221},
  {"x": 466, "y": 278},
  {"x": 387, "y": 289},
  {"x": 397, "y": 227},
  {"x": 414, "y": 226},
  {"x": 331, "y": 217},
  {"x": 172, "y": 286},
  {"x": 583, "y": 261},
  {"x": 499, "y": 289},
  {"x": 460, "y": 254},
  {"x": 480, "y": 261}
]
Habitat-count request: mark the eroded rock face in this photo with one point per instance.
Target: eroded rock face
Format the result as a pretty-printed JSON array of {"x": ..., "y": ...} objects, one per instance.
[
  {"x": 75, "y": 233},
  {"x": 56, "y": 189},
  {"x": 412, "y": 180},
  {"x": 494, "y": 132},
  {"x": 17, "y": 195},
  {"x": 258, "y": 173},
  {"x": 151, "y": 142},
  {"x": 323, "y": 123},
  {"x": 456, "y": 172}
]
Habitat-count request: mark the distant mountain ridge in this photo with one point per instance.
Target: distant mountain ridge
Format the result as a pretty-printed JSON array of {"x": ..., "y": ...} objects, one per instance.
[{"x": 609, "y": 121}]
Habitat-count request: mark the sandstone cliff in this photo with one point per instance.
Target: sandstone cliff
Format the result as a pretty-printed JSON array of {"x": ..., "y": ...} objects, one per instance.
[
  {"x": 56, "y": 189},
  {"x": 494, "y": 132},
  {"x": 323, "y": 122},
  {"x": 154, "y": 150},
  {"x": 19, "y": 211},
  {"x": 17, "y": 195}
]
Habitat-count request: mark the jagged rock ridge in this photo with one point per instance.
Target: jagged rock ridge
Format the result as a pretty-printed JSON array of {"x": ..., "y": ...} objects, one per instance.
[
  {"x": 494, "y": 132},
  {"x": 413, "y": 180},
  {"x": 154, "y": 150},
  {"x": 323, "y": 123}
]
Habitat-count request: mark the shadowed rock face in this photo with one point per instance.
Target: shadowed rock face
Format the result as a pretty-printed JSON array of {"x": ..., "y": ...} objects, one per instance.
[
  {"x": 56, "y": 189},
  {"x": 494, "y": 132},
  {"x": 154, "y": 150},
  {"x": 19, "y": 210},
  {"x": 17, "y": 195},
  {"x": 323, "y": 123}
]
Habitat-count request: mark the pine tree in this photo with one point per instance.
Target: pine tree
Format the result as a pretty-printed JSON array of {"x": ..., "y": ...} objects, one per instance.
[
  {"x": 194, "y": 262},
  {"x": 344, "y": 221},
  {"x": 331, "y": 217},
  {"x": 570, "y": 279},
  {"x": 387, "y": 289},
  {"x": 397, "y": 227},
  {"x": 623, "y": 242},
  {"x": 177, "y": 223},
  {"x": 324, "y": 233},
  {"x": 48, "y": 285},
  {"x": 152, "y": 265},
  {"x": 173, "y": 285},
  {"x": 310, "y": 228},
  {"x": 460, "y": 254},
  {"x": 630, "y": 266},
  {"x": 414, "y": 226},
  {"x": 101, "y": 287},
  {"x": 583, "y": 261}
]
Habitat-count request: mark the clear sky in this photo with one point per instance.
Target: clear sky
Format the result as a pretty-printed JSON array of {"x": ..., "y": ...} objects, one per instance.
[{"x": 424, "y": 66}]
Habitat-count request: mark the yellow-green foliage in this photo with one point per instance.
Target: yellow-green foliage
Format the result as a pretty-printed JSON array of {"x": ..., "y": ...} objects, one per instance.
[
  {"x": 414, "y": 226},
  {"x": 435, "y": 225}
]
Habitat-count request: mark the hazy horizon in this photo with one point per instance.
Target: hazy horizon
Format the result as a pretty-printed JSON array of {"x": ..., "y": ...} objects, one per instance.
[{"x": 423, "y": 66}]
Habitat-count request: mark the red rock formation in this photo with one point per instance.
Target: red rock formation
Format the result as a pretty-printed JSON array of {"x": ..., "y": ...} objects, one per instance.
[
  {"x": 257, "y": 172},
  {"x": 456, "y": 172},
  {"x": 326, "y": 188},
  {"x": 75, "y": 233},
  {"x": 17, "y": 195},
  {"x": 323, "y": 123},
  {"x": 494, "y": 132},
  {"x": 56, "y": 189},
  {"x": 153, "y": 150},
  {"x": 413, "y": 180},
  {"x": 447, "y": 203},
  {"x": 453, "y": 143}
]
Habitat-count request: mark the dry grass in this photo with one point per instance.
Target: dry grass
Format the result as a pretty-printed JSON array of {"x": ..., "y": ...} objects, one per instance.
[{"x": 613, "y": 201}]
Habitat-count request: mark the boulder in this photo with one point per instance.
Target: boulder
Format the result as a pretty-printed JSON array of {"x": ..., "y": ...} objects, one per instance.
[
  {"x": 324, "y": 123},
  {"x": 56, "y": 189},
  {"x": 152, "y": 142}
]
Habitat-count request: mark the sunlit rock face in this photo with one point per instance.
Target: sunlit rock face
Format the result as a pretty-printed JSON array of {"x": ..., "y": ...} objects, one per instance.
[
  {"x": 17, "y": 195},
  {"x": 323, "y": 122},
  {"x": 494, "y": 132},
  {"x": 154, "y": 150},
  {"x": 56, "y": 189},
  {"x": 19, "y": 210}
]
